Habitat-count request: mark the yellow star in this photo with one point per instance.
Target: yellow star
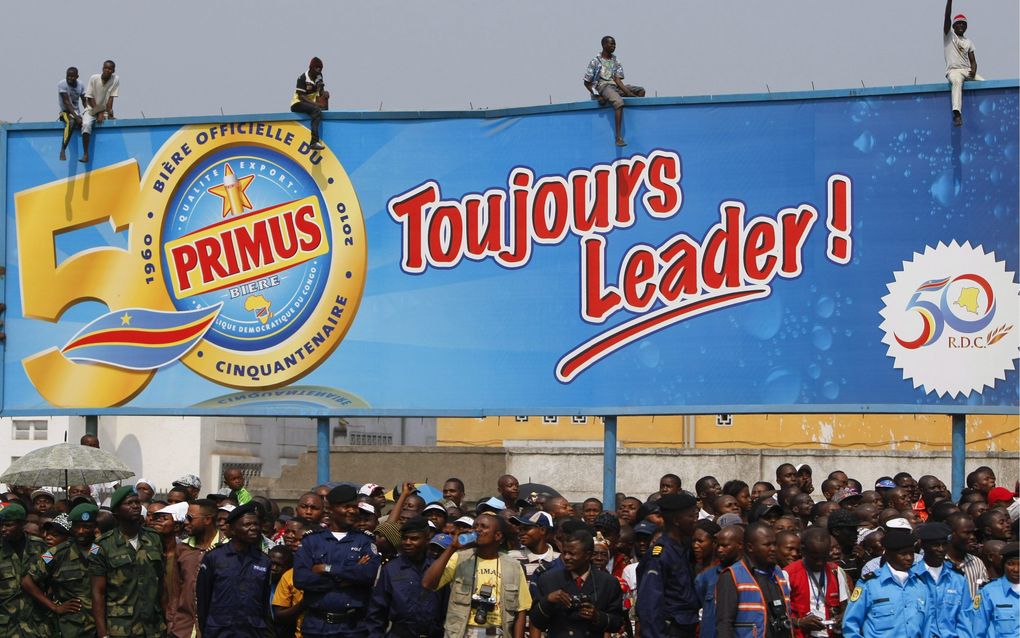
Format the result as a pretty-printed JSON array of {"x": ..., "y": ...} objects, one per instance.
[
  {"x": 232, "y": 192},
  {"x": 125, "y": 319}
]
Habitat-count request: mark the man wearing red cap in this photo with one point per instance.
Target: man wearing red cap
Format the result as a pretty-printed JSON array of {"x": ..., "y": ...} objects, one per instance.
[
  {"x": 310, "y": 97},
  {"x": 961, "y": 65}
]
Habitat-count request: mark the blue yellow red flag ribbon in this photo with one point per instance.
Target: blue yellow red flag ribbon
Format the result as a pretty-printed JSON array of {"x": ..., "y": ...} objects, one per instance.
[{"x": 140, "y": 339}]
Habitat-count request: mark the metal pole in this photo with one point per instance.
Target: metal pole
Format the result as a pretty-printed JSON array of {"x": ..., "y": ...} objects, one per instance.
[
  {"x": 322, "y": 449},
  {"x": 959, "y": 454},
  {"x": 609, "y": 463},
  {"x": 92, "y": 425}
]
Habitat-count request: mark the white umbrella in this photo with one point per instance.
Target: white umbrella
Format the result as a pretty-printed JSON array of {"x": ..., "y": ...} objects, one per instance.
[{"x": 66, "y": 464}]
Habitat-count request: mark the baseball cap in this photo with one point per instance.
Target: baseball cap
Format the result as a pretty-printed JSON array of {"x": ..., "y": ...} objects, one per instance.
[
  {"x": 996, "y": 496},
  {"x": 442, "y": 540},
  {"x": 846, "y": 496},
  {"x": 435, "y": 507},
  {"x": 728, "y": 519},
  {"x": 534, "y": 518},
  {"x": 366, "y": 507},
  {"x": 368, "y": 489},
  {"x": 959, "y": 17},
  {"x": 61, "y": 521},
  {"x": 43, "y": 492},
  {"x": 179, "y": 511},
  {"x": 647, "y": 527},
  {"x": 465, "y": 521},
  {"x": 188, "y": 480},
  {"x": 885, "y": 483},
  {"x": 898, "y": 523},
  {"x": 491, "y": 504}
]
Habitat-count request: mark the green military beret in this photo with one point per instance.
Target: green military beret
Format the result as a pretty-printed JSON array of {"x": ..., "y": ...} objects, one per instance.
[
  {"x": 84, "y": 513},
  {"x": 12, "y": 512},
  {"x": 122, "y": 493}
]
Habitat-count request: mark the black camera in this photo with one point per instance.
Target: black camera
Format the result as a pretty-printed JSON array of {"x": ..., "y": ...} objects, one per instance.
[
  {"x": 482, "y": 603},
  {"x": 579, "y": 599},
  {"x": 779, "y": 621}
]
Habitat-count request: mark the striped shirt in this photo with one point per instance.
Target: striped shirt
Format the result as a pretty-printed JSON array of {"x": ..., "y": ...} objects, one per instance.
[{"x": 974, "y": 570}]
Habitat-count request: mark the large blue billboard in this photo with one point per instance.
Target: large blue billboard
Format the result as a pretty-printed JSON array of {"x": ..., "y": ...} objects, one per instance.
[{"x": 814, "y": 252}]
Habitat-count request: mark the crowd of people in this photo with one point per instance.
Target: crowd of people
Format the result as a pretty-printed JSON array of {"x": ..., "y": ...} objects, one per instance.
[{"x": 768, "y": 559}]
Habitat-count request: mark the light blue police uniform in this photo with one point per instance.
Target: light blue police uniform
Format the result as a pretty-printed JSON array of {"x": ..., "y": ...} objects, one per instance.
[{"x": 880, "y": 607}]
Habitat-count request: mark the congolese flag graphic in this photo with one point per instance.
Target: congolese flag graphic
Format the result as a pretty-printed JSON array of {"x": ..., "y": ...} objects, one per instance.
[{"x": 140, "y": 339}]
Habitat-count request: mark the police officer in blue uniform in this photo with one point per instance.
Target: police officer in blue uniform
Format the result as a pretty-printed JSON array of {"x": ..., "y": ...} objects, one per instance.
[
  {"x": 233, "y": 581},
  {"x": 667, "y": 603},
  {"x": 996, "y": 611},
  {"x": 335, "y": 568},
  {"x": 948, "y": 591},
  {"x": 891, "y": 602},
  {"x": 400, "y": 607}
]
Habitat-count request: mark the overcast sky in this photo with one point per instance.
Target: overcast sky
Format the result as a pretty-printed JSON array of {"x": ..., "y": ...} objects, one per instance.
[{"x": 194, "y": 57}]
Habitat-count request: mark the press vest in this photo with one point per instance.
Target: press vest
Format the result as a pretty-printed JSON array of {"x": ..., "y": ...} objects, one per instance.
[
  {"x": 459, "y": 609},
  {"x": 751, "y": 605}
]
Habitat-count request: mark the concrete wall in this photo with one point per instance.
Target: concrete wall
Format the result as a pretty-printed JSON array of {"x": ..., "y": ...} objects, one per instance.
[
  {"x": 479, "y": 468},
  {"x": 577, "y": 472}
]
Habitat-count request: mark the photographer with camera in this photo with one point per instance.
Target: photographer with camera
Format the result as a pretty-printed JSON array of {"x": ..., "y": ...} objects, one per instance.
[
  {"x": 752, "y": 595},
  {"x": 578, "y": 600},
  {"x": 489, "y": 594}
]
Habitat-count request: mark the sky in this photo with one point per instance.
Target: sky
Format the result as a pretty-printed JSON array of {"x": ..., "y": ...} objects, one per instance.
[{"x": 198, "y": 57}]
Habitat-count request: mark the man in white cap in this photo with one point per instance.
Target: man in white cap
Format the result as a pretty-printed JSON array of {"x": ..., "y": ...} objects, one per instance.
[
  {"x": 181, "y": 573},
  {"x": 961, "y": 65}
]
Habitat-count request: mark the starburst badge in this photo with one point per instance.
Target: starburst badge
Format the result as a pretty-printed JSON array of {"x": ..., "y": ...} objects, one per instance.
[
  {"x": 948, "y": 319},
  {"x": 235, "y": 201}
]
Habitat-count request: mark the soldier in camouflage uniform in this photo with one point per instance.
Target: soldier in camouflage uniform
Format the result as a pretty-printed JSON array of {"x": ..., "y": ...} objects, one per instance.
[
  {"x": 64, "y": 571},
  {"x": 127, "y": 574},
  {"x": 18, "y": 551}
]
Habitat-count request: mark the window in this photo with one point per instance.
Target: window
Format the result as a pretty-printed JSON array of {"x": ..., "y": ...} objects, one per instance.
[
  {"x": 521, "y": 419},
  {"x": 724, "y": 420},
  {"x": 248, "y": 470},
  {"x": 550, "y": 420},
  {"x": 34, "y": 430},
  {"x": 579, "y": 420},
  {"x": 369, "y": 438}
]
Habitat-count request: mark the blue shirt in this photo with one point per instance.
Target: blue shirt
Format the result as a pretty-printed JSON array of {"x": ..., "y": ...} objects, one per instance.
[
  {"x": 343, "y": 590},
  {"x": 882, "y": 608},
  {"x": 399, "y": 598},
  {"x": 233, "y": 592},
  {"x": 949, "y": 600},
  {"x": 704, "y": 585},
  {"x": 998, "y": 610},
  {"x": 666, "y": 588},
  {"x": 74, "y": 95}
]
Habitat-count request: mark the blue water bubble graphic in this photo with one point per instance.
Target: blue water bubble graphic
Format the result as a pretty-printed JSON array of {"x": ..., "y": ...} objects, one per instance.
[
  {"x": 821, "y": 337},
  {"x": 824, "y": 307},
  {"x": 649, "y": 354},
  {"x": 830, "y": 389},
  {"x": 782, "y": 386},
  {"x": 890, "y": 160},
  {"x": 946, "y": 189},
  {"x": 966, "y": 157},
  {"x": 814, "y": 371},
  {"x": 865, "y": 142},
  {"x": 991, "y": 139},
  {"x": 995, "y": 175}
]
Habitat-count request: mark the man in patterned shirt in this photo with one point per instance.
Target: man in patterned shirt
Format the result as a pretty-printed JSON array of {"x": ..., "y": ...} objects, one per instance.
[{"x": 604, "y": 80}]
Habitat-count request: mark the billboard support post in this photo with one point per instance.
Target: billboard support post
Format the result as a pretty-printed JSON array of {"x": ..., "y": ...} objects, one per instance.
[
  {"x": 322, "y": 449},
  {"x": 609, "y": 463},
  {"x": 959, "y": 454}
]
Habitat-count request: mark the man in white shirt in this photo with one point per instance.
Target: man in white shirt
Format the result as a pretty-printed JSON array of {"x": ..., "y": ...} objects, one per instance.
[
  {"x": 961, "y": 65},
  {"x": 102, "y": 88}
]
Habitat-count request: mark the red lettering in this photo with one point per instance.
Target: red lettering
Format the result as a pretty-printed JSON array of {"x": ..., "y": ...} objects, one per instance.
[
  {"x": 409, "y": 210},
  {"x": 663, "y": 178},
  {"x": 254, "y": 246},
  {"x": 593, "y": 216},
  {"x": 519, "y": 248},
  {"x": 311, "y": 232},
  {"x": 628, "y": 178},
  {"x": 720, "y": 264},
  {"x": 795, "y": 223},
  {"x": 208, "y": 259},
  {"x": 185, "y": 260},
  {"x": 484, "y": 237},
  {"x": 550, "y": 211},
  {"x": 638, "y": 271},
  {"x": 229, "y": 251},
  {"x": 598, "y": 301},
  {"x": 759, "y": 250},
  {"x": 680, "y": 277},
  {"x": 277, "y": 234},
  {"x": 446, "y": 235}
]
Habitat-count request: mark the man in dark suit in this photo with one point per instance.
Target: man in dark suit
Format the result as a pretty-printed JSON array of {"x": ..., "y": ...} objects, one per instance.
[{"x": 579, "y": 602}]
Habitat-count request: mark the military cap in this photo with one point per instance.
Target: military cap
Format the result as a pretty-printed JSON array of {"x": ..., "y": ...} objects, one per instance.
[
  {"x": 896, "y": 539},
  {"x": 84, "y": 513},
  {"x": 61, "y": 521},
  {"x": 934, "y": 532},
  {"x": 12, "y": 512},
  {"x": 120, "y": 494},
  {"x": 416, "y": 524},
  {"x": 645, "y": 527},
  {"x": 342, "y": 494},
  {"x": 677, "y": 502},
  {"x": 390, "y": 532},
  {"x": 248, "y": 508}
]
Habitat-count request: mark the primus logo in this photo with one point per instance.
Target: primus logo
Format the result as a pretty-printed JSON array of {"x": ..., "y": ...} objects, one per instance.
[{"x": 246, "y": 262}]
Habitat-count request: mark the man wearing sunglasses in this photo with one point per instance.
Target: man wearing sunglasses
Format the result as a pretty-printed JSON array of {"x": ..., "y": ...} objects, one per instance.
[{"x": 200, "y": 524}]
